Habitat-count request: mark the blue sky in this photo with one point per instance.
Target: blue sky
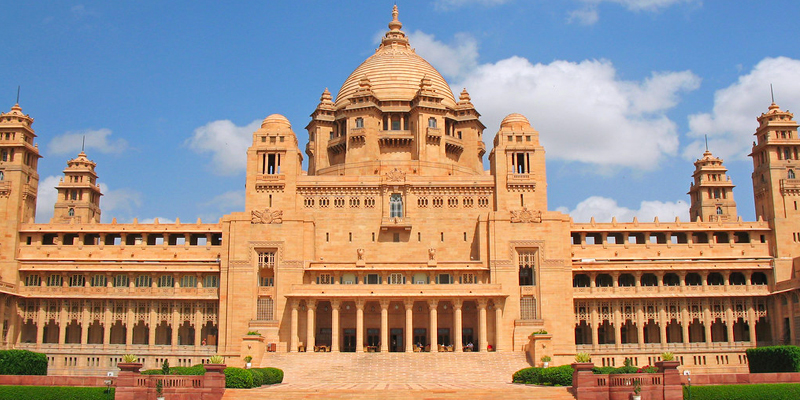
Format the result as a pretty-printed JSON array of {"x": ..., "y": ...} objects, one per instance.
[{"x": 621, "y": 91}]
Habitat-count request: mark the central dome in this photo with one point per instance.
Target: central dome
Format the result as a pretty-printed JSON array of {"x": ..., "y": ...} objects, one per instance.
[{"x": 395, "y": 71}]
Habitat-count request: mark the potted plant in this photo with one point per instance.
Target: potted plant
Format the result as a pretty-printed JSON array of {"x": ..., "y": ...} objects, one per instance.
[
  {"x": 160, "y": 389},
  {"x": 637, "y": 389},
  {"x": 165, "y": 367},
  {"x": 545, "y": 361},
  {"x": 216, "y": 359},
  {"x": 247, "y": 360}
]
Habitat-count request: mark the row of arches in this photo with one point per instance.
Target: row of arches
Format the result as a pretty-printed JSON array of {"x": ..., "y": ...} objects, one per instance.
[{"x": 670, "y": 279}]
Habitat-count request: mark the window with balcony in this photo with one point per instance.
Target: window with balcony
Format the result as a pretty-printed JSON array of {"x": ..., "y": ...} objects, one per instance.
[
  {"x": 347, "y": 279},
  {"x": 324, "y": 279},
  {"x": 396, "y": 279},
  {"x": 581, "y": 280},
  {"x": 121, "y": 281},
  {"x": 189, "y": 281},
  {"x": 33, "y": 280},
  {"x": 54, "y": 280},
  {"x": 266, "y": 259},
  {"x": 143, "y": 281},
  {"x": 211, "y": 281},
  {"x": 166, "y": 281},
  {"x": 444, "y": 279},
  {"x": 527, "y": 275},
  {"x": 372, "y": 279},
  {"x": 396, "y": 205},
  {"x": 420, "y": 279},
  {"x": 99, "y": 280},
  {"x": 468, "y": 279}
]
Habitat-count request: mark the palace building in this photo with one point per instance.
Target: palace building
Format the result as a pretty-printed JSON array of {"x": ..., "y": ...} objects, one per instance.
[{"x": 397, "y": 240}]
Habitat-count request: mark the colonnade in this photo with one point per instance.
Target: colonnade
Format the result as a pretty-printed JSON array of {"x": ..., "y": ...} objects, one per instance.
[{"x": 450, "y": 312}]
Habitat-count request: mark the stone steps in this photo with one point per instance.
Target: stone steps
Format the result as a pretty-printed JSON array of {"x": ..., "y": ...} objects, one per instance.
[{"x": 398, "y": 376}]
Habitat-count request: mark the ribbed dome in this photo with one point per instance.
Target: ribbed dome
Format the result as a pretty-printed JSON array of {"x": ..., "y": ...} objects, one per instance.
[
  {"x": 395, "y": 72},
  {"x": 512, "y": 120},
  {"x": 276, "y": 119}
]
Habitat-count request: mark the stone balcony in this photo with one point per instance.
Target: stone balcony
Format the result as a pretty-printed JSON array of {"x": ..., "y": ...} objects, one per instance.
[
  {"x": 670, "y": 291},
  {"x": 104, "y": 292},
  {"x": 379, "y": 291}
]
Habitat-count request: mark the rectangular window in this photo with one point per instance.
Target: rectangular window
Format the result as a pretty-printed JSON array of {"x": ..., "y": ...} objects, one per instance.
[
  {"x": 396, "y": 206},
  {"x": 121, "y": 281},
  {"x": 143, "y": 281},
  {"x": 166, "y": 281},
  {"x": 54, "y": 280},
  {"x": 372, "y": 279},
  {"x": 33, "y": 280},
  {"x": 99, "y": 280},
  {"x": 396, "y": 279},
  {"x": 444, "y": 279},
  {"x": 527, "y": 261},
  {"x": 527, "y": 308},
  {"x": 325, "y": 279},
  {"x": 468, "y": 278},
  {"x": 211, "y": 281},
  {"x": 266, "y": 259},
  {"x": 189, "y": 281},
  {"x": 264, "y": 310},
  {"x": 266, "y": 281}
]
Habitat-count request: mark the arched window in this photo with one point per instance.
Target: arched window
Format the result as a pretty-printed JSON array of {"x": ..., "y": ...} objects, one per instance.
[
  {"x": 396, "y": 206},
  {"x": 719, "y": 210},
  {"x": 580, "y": 280},
  {"x": 431, "y": 122},
  {"x": 671, "y": 279},
  {"x": 649, "y": 280},
  {"x": 359, "y": 122},
  {"x": 603, "y": 280},
  {"x": 627, "y": 280},
  {"x": 71, "y": 212},
  {"x": 790, "y": 174}
]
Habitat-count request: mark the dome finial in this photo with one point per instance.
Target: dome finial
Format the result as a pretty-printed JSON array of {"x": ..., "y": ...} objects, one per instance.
[{"x": 395, "y": 25}]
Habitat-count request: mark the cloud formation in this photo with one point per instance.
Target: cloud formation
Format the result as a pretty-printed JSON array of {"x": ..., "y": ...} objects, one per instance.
[
  {"x": 227, "y": 144},
  {"x": 46, "y": 198},
  {"x": 731, "y": 123},
  {"x": 450, "y": 4},
  {"x": 118, "y": 203},
  {"x": 99, "y": 140},
  {"x": 451, "y": 60},
  {"x": 603, "y": 209},
  {"x": 588, "y": 14}
]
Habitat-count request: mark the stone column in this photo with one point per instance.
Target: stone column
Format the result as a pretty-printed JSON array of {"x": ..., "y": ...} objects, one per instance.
[
  {"x": 595, "y": 326},
  {"x": 360, "y": 326},
  {"x": 617, "y": 325},
  {"x": 662, "y": 323},
  {"x": 152, "y": 324},
  {"x": 176, "y": 323},
  {"x": 335, "y": 325},
  {"x": 198, "y": 325},
  {"x": 457, "y": 325},
  {"x": 85, "y": 323},
  {"x": 310, "y": 324},
  {"x": 293, "y": 327},
  {"x": 41, "y": 322},
  {"x": 790, "y": 312},
  {"x": 384, "y": 326},
  {"x": 685, "y": 321},
  {"x": 107, "y": 323},
  {"x": 640, "y": 325},
  {"x": 62, "y": 325},
  {"x": 434, "y": 325},
  {"x": 409, "y": 305},
  {"x": 751, "y": 317},
  {"x": 729, "y": 321},
  {"x": 498, "y": 322},
  {"x": 129, "y": 324},
  {"x": 482, "y": 337},
  {"x": 707, "y": 321}
]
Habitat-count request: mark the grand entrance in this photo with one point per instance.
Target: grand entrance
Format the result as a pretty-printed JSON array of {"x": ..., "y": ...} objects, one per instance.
[
  {"x": 396, "y": 340},
  {"x": 349, "y": 340}
]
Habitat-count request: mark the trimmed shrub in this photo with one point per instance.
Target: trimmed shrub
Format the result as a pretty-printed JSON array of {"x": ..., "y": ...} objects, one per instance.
[
  {"x": 259, "y": 376},
  {"x": 238, "y": 378},
  {"x": 557, "y": 376},
  {"x": 603, "y": 370},
  {"x": 55, "y": 393},
  {"x": 273, "y": 375},
  {"x": 626, "y": 370},
  {"x": 774, "y": 359},
  {"x": 776, "y": 391},
  {"x": 22, "y": 362},
  {"x": 530, "y": 375},
  {"x": 193, "y": 370}
]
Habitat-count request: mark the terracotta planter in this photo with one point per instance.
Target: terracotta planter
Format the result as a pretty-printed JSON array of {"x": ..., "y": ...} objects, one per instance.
[
  {"x": 217, "y": 368},
  {"x": 581, "y": 367},
  {"x": 129, "y": 367},
  {"x": 666, "y": 365}
]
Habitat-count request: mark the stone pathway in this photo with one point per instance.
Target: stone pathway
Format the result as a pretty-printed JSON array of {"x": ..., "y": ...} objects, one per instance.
[{"x": 389, "y": 376}]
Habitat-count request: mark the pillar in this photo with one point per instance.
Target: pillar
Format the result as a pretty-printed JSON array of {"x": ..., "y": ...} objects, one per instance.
[
  {"x": 662, "y": 324},
  {"x": 85, "y": 322},
  {"x": 707, "y": 321},
  {"x": 311, "y": 308},
  {"x": 433, "y": 305},
  {"x": 107, "y": 323},
  {"x": 457, "y": 325},
  {"x": 790, "y": 311},
  {"x": 335, "y": 325},
  {"x": 40, "y": 322},
  {"x": 152, "y": 324},
  {"x": 176, "y": 323},
  {"x": 640, "y": 324},
  {"x": 729, "y": 320},
  {"x": 498, "y": 321},
  {"x": 62, "y": 325},
  {"x": 129, "y": 323},
  {"x": 198, "y": 324},
  {"x": 384, "y": 326},
  {"x": 751, "y": 317},
  {"x": 359, "y": 326},
  {"x": 482, "y": 340},
  {"x": 685, "y": 321},
  {"x": 409, "y": 305},
  {"x": 617, "y": 324},
  {"x": 595, "y": 325},
  {"x": 293, "y": 327}
]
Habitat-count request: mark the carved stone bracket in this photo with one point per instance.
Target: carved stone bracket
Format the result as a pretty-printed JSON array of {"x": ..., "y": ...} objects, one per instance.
[
  {"x": 526, "y": 216},
  {"x": 266, "y": 217}
]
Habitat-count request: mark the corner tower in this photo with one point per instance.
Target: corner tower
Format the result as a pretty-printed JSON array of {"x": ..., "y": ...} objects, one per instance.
[
  {"x": 776, "y": 186},
  {"x": 78, "y": 193},
  {"x": 19, "y": 158},
  {"x": 518, "y": 166},
  {"x": 273, "y": 164},
  {"x": 711, "y": 192}
]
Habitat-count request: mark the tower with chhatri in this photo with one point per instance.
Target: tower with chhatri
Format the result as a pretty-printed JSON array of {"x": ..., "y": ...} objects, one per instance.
[
  {"x": 711, "y": 192},
  {"x": 79, "y": 194}
]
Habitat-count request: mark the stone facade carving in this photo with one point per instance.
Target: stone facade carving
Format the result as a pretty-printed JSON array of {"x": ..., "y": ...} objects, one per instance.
[
  {"x": 395, "y": 175},
  {"x": 266, "y": 217},
  {"x": 526, "y": 216}
]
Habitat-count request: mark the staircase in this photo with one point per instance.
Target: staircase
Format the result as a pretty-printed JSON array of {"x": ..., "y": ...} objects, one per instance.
[{"x": 398, "y": 376}]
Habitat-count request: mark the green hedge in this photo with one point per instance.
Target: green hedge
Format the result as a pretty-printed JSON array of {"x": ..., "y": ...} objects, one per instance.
[
  {"x": 22, "y": 362},
  {"x": 238, "y": 378},
  {"x": 776, "y": 391},
  {"x": 54, "y": 393},
  {"x": 552, "y": 376},
  {"x": 774, "y": 359},
  {"x": 273, "y": 375}
]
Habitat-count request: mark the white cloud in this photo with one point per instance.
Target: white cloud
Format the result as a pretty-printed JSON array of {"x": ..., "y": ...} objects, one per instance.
[
  {"x": 46, "y": 198},
  {"x": 731, "y": 123},
  {"x": 227, "y": 144},
  {"x": 161, "y": 220},
  {"x": 70, "y": 142},
  {"x": 227, "y": 202},
  {"x": 452, "y": 61},
  {"x": 603, "y": 209},
  {"x": 588, "y": 14},
  {"x": 582, "y": 110},
  {"x": 121, "y": 202}
]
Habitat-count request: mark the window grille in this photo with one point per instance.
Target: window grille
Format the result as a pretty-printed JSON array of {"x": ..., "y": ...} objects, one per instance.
[
  {"x": 143, "y": 281},
  {"x": 264, "y": 311},
  {"x": 527, "y": 308},
  {"x": 468, "y": 278},
  {"x": 396, "y": 279},
  {"x": 188, "y": 281},
  {"x": 99, "y": 280},
  {"x": 33, "y": 280},
  {"x": 121, "y": 281},
  {"x": 166, "y": 281},
  {"x": 527, "y": 277},
  {"x": 266, "y": 259},
  {"x": 54, "y": 280},
  {"x": 211, "y": 281},
  {"x": 396, "y": 206},
  {"x": 324, "y": 279}
]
